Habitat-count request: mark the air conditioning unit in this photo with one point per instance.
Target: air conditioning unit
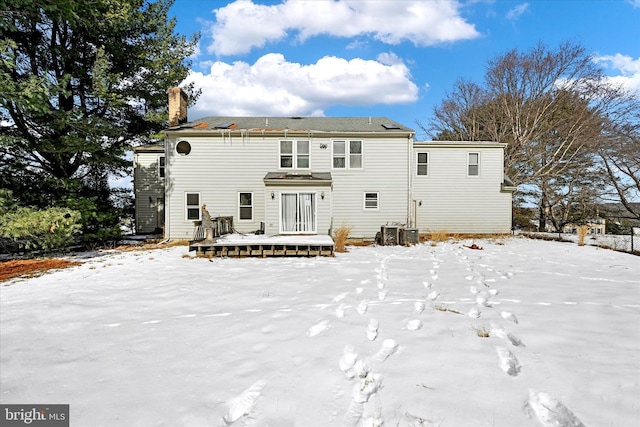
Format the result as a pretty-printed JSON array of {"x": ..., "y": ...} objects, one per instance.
[
  {"x": 389, "y": 235},
  {"x": 409, "y": 236}
]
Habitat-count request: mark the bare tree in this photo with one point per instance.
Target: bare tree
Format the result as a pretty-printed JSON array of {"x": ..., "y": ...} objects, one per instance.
[
  {"x": 620, "y": 154},
  {"x": 549, "y": 106}
]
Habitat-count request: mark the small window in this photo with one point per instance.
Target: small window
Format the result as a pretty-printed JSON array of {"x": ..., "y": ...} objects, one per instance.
[
  {"x": 193, "y": 206},
  {"x": 371, "y": 200},
  {"x": 161, "y": 165},
  {"x": 423, "y": 164},
  {"x": 347, "y": 154},
  {"x": 183, "y": 148},
  {"x": 245, "y": 206},
  {"x": 474, "y": 164}
]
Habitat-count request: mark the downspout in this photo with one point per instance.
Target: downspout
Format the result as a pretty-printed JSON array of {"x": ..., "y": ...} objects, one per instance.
[
  {"x": 167, "y": 178},
  {"x": 410, "y": 210}
]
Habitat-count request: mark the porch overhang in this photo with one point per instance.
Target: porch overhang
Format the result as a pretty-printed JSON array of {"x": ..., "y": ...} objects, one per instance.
[{"x": 288, "y": 179}]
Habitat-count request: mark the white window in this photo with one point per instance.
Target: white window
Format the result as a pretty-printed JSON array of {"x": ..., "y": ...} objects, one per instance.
[
  {"x": 473, "y": 164},
  {"x": 161, "y": 166},
  {"x": 347, "y": 154},
  {"x": 192, "y": 208},
  {"x": 298, "y": 213},
  {"x": 423, "y": 164},
  {"x": 294, "y": 155},
  {"x": 245, "y": 206},
  {"x": 371, "y": 200}
]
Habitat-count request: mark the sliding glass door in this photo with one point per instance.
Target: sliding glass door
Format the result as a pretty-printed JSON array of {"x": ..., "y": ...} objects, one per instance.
[{"x": 298, "y": 213}]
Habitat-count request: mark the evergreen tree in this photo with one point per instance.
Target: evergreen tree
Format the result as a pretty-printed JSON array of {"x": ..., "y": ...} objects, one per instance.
[{"x": 80, "y": 84}]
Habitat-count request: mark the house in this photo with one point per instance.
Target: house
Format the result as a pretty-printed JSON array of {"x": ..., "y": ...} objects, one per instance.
[
  {"x": 313, "y": 175},
  {"x": 593, "y": 226}
]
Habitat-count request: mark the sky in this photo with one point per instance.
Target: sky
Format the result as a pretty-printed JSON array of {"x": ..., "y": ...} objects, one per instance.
[
  {"x": 390, "y": 58},
  {"x": 523, "y": 333}
]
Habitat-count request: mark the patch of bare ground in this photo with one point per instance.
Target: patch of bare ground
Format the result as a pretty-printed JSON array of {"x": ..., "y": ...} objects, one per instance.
[{"x": 32, "y": 267}]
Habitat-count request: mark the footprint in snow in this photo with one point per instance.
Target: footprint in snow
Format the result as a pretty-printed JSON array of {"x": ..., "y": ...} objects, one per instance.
[
  {"x": 418, "y": 307},
  {"x": 504, "y": 334},
  {"x": 388, "y": 348},
  {"x": 372, "y": 329},
  {"x": 318, "y": 328},
  {"x": 508, "y": 361},
  {"x": 474, "y": 312},
  {"x": 244, "y": 403},
  {"x": 382, "y": 295},
  {"x": 427, "y": 285},
  {"x": 507, "y": 315},
  {"x": 348, "y": 361},
  {"x": 483, "y": 300},
  {"x": 549, "y": 411},
  {"x": 362, "y": 307},
  {"x": 434, "y": 274},
  {"x": 433, "y": 295},
  {"x": 414, "y": 324},
  {"x": 341, "y": 310},
  {"x": 340, "y": 297}
]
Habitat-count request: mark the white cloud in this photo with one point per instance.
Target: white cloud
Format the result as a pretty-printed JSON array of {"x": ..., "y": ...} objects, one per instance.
[
  {"x": 275, "y": 87},
  {"x": 243, "y": 25},
  {"x": 628, "y": 70},
  {"x": 517, "y": 11}
]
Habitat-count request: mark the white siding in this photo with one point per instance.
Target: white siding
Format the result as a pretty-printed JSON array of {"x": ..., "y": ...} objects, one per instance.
[
  {"x": 448, "y": 199},
  {"x": 218, "y": 167},
  {"x": 149, "y": 190},
  {"x": 384, "y": 171}
]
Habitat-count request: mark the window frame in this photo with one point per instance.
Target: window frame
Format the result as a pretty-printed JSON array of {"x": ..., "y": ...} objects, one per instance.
[
  {"x": 188, "y": 207},
  {"x": 349, "y": 155},
  {"x": 425, "y": 164},
  {"x": 469, "y": 164},
  {"x": 240, "y": 205},
  {"x": 186, "y": 148},
  {"x": 162, "y": 166},
  {"x": 295, "y": 155},
  {"x": 365, "y": 200},
  {"x": 314, "y": 200}
]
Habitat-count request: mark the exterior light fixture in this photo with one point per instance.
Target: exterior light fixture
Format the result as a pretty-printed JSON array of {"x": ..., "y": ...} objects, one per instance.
[{"x": 273, "y": 196}]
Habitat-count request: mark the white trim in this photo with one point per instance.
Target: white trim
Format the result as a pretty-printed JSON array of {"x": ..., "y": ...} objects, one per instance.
[
  {"x": 162, "y": 167},
  {"x": 364, "y": 201},
  {"x": 245, "y": 206},
  {"x": 469, "y": 153},
  {"x": 347, "y": 154},
  {"x": 314, "y": 201},
  {"x": 418, "y": 153},
  {"x": 187, "y": 206},
  {"x": 294, "y": 153}
]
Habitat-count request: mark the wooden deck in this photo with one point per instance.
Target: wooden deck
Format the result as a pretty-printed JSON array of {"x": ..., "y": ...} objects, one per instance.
[{"x": 239, "y": 245}]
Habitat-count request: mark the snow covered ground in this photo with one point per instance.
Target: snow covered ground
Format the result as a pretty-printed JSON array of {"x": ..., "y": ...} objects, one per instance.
[{"x": 393, "y": 335}]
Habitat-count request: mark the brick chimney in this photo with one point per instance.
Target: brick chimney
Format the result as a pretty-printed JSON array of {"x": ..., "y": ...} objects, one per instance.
[{"x": 177, "y": 106}]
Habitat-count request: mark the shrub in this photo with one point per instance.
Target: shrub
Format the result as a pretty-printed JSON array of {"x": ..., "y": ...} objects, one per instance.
[
  {"x": 582, "y": 233},
  {"x": 31, "y": 230},
  {"x": 340, "y": 238},
  {"x": 438, "y": 236}
]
